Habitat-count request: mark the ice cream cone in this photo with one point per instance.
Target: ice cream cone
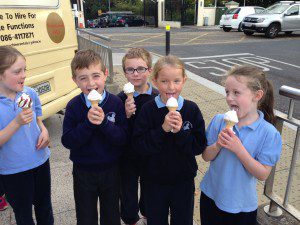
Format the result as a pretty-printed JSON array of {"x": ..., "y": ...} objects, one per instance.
[
  {"x": 94, "y": 103},
  {"x": 230, "y": 124},
  {"x": 172, "y": 109},
  {"x": 129, "y": 95},
  {"x": 25, "y": 109}
]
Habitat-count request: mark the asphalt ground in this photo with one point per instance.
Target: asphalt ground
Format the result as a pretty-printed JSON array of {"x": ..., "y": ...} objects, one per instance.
[{"x": 210, "y": 52}]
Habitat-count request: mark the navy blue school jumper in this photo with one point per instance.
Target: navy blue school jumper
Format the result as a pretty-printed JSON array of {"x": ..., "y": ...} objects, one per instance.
[
  {"x": 169, "y": 161},
  {"x": 95, "y": 151},
  {"x": 130, "y": 166}
]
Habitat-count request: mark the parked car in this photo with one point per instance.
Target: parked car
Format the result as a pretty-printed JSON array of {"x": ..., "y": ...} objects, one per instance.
[
  {"x": 92, "y": 23},
  {"x": 232, "y": 19},
  {"x": 130, "y": 21},
  {"x": 281, "y": 17}
]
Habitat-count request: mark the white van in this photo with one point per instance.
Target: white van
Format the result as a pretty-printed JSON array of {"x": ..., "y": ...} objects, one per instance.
[{"x": 44, "y": 32}]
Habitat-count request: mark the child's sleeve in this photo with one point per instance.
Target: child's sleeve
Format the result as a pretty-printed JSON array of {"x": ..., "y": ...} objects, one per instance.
[
  {"x": 76, "y": 133},
  {"x": 116, "y": 132},
  {"x": 271, "y": 149},
  {"x": 192, "y": 141},
  {"x": 147, "y": 140}
]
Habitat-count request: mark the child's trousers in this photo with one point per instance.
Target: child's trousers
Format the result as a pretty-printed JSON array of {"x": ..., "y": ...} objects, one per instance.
[
  {"x": 91, "y": 187},
  {"x": 31, "y": 187},
  {"x": 210, "y": 214},
  {"x": 177, "y": 199},
  {"x": 130, "y": 170}
]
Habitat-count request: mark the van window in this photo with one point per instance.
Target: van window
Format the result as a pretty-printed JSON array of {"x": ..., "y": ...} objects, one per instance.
[
  {"x": 31, "y": 3},
  {"x": 293, "y": 10}
]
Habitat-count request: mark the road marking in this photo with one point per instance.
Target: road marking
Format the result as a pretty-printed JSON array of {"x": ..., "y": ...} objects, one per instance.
[
  {"x": 145, "y": 39},
  {"x": 195, "y": 38},
  {"x": 216, "y": 56},
  {"x": 279, "y": 61}
]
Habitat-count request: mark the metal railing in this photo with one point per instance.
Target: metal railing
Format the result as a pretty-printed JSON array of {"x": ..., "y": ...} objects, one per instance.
[
  {"x": 272, "y": 209},
  {"x": 90, "y": 40}
]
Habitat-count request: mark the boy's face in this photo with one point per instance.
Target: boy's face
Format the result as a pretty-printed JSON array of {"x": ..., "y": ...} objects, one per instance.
[
  {"x": 90, "y": 78},
  {"x": 13, "y": 78},
  {"x": 139, "y": 80}
]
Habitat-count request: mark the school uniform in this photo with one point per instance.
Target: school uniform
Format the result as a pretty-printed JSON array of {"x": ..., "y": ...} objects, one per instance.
[
  {"x": 95, "y": 151},
  {"x": 170, "y": 165},
  {"x": 227, "y": 183},
  {"x": 130, "y": 166},
  {"x": 24, "y": 170}
]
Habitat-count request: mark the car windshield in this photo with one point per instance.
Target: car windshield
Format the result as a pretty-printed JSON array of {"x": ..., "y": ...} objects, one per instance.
[{"x": 275, "y": 9}]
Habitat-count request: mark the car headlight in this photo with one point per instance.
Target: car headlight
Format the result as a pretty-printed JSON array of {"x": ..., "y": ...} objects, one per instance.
[{"x": 260, "y": 20}]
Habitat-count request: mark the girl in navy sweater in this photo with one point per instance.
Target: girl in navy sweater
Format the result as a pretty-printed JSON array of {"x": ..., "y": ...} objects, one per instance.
[{"x": 169, "y": 142}]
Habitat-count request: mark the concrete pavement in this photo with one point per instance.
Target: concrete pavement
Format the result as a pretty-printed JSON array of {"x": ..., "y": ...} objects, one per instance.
[{"x": 210, "y": 99}]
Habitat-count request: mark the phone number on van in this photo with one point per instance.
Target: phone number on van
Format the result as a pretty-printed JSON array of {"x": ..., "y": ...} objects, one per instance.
[{"x": 19, "y": 36}]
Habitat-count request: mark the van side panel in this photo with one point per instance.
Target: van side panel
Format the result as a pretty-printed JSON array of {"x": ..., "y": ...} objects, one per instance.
[{"x": 46, "y": 36}]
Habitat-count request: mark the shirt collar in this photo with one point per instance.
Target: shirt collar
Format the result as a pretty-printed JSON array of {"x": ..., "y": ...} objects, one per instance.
[
  {"x": 148, "y": 92},
  {"x": 256, "y": 123},
  {"x": 160, "y": 104},
  {"x": 88, "y": 103}
]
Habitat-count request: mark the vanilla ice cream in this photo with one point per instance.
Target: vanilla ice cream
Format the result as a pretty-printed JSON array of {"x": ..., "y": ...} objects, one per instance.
[
  {"x": 172, "y": 104},
  {"x": 128, "y": 89},
  {"x": 231, "y": 119},
  {"x": 24, "y": 101},
  {"x": 94, "y": 97}
]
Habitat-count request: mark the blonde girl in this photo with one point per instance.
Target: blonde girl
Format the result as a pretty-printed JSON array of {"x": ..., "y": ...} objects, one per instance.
[
  {"x": 239, "y": 157},
  {"x": 168, "y": 143}
]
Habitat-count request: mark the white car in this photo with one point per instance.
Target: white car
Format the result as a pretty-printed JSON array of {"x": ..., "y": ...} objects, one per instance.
[{"x": 232, "y": 19}]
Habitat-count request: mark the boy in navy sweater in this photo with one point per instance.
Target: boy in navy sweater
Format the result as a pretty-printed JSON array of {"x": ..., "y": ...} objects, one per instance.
[
  {"x": 169, "y": 141},
  {"x": 137, "y": 64},
  {"x": 95, "y": 136}
]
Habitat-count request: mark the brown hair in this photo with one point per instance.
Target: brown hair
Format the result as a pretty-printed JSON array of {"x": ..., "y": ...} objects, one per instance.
[
  {"x": 136, "y": 53},
  {"x": 8, "y": 56},
  {"x": 169, "y": 60},
  {"x": 256, "y": 80},
  {"x": 85, "y": 58}
]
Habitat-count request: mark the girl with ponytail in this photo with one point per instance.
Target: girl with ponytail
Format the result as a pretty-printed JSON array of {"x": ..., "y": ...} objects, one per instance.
[{"x": 240, "y": 156}]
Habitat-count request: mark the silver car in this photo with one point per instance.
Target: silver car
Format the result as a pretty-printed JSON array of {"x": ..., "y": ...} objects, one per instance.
[{"x": 280, "y": 17}]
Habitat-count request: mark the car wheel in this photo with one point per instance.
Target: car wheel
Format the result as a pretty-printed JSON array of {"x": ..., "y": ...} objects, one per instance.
[
  {"x": 240, "y": 29},
  {"x": 248, "y": 33},
  {"x": 288, "y": 32},
  {"x": 226, "y": 29},
  {"x": 272, "y": 30}
]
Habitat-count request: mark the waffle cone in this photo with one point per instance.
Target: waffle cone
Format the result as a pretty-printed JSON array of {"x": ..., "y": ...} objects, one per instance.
[
  {"x": 94, "y": 102},
  {"x": 230, "y": 124},
  {"x": 172, "y": 109},
  {"x": 129, "y": 95}
]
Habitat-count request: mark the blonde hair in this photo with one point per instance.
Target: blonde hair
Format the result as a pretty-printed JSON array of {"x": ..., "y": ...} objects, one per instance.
[
  {"x": 85, "y": 58},
  {"x": 136, "y": 53},
  {"x": 169, "y": 60},
  {"x": 256, "y": 80},
  {"x": 8, "y": 56}
]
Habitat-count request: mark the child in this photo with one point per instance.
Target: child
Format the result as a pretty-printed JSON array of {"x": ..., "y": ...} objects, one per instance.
[
  {"x": 240, "y": 157},
  {"x": 95, "y": 136},
  {"x": 24, "y": 155},
  {"x": 137, "y": 64},
  {"x": 169, "y": 142}
]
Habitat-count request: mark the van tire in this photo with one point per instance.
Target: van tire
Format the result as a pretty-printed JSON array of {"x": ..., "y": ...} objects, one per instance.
[
  {"x": 272, "y": 31},
  {"x": 248, "y": 33},
  {"x": 226, "y": 29},
  {"x": 240, "y": 29}
]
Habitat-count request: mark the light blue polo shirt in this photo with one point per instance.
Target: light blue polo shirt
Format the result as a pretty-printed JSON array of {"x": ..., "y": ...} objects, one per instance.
[
  {"x": 148, "y": 92},
  {"x": 19, "y": 153},
  {"x": 227, "y": 182},
  {"x": 160, "y": 104}
]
